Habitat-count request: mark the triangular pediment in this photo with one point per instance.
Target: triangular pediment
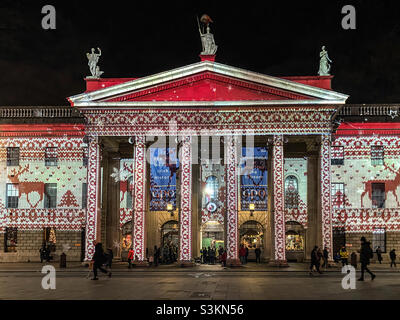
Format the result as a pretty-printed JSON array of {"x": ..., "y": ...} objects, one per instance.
[{"x": 204, "y": 82}]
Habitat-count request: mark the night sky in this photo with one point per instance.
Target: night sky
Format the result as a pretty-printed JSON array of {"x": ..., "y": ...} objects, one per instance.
[{"x": 279, "y": 38}]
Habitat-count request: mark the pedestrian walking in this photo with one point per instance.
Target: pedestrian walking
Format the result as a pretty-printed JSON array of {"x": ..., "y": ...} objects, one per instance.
[
  {"x": 353, "y": 259},
  {"x": 156, "y": 256},
  {"x": 220, "y": 252},
  {"x": 257, "y": 251},
  {"x": 379, "y": 254},
  {"x": 315, "y": 261},
  {"x": 365, "y": 256},
  {"x": 247, "y": 254},
  {"x": 325, "y": 257},
  {"x": 98, "y": 259},
  {"x": 130, "y": 257},
  {"x": 392, "y": 255},
  {"x": 344, "y": 256}
]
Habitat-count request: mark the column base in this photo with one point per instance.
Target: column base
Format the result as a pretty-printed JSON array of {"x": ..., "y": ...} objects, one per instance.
[
  {"x": 140, "y": 264},
  {"x": 186, "y": 264},
  {"x": 278, "y": 263},
  {"x": 233, "y": 263}
]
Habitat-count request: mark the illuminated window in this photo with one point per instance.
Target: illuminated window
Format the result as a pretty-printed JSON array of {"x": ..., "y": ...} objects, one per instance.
[
  {"x": 337, "y": 155},
  {"x": 129, "y": 202},
  {"x": 291, "y": 193},
  {"x": 338, "y": 195},
  {"x": 379, "y": 239},
  {"x": 294, "y": 241},
  {"x": 12, "y": 156},
  {"x": 378, "y": 195},
  {"x": 12, "y": 194},
  {"x": 50, "y": 157},
  {"x": 377, "y": 157},
  {"x": 211, "y": 190}
]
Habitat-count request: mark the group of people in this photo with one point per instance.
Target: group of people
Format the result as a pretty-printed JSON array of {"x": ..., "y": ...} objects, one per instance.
[
  {"x": 343, "y": 255},
  {"x": 316, "y": 256},
  {"x": 211, "y": 255},
  {"x": 166, "y": 255}
]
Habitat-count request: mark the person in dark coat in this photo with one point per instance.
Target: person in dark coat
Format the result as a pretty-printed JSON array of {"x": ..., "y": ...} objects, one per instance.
[
  {"x": 365, "y": 256},
  {"x": 315, "y": 260},
  {"x": 257, "y": 251},
  {"x": 379, "y": 254},
  {"x": 325, "y": 256},
  {"x": 247, "y": 254},
  {"x": 223, "y": 258},
  {"x": 392, "y": 255},
  {"x": 99, "y": 258},
  {"x": 43, "y": 252},
  {"x": 156, "y": 255}
]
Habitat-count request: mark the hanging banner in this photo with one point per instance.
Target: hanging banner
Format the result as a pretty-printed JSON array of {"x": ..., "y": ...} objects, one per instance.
[
  {"x": 163, "y": 168},
  {"x": 253, "y": 181}
]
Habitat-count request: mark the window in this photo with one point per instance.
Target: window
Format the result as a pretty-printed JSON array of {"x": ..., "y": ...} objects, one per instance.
[
  {"x": 377, "y": 158},
  {"x": 338, "y": 195},
  {"x": 211, "y": 190},
  {"x": 12, "y": 156},
  {"x": 50, "y": 157},
  {"x": 379, "y": 239},
  {"x": 294, "y": 241},
  {"x": 378, "y": 195},
  {"x": 291, "y": 193},
  {"x": 85, "y": 157},
  {"x": 129, "y": 189},
  {"x": 337, "y": 155},
  {"x": 84, "y": 195},
  {"x": 12, "y": 194},
  {"x": 10, "y": 237},
  {"x": 50, "y": 195}
]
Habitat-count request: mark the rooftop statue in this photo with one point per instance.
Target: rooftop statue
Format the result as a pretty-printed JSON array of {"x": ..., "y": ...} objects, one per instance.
[
  {"x": 93, "y": 60},
  {"x": 207, "y": 39},
  {"x": 324, "y": 66}
]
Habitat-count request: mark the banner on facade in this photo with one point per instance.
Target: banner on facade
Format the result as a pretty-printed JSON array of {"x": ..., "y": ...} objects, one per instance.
[
  {"x": 254, "y": 180},
  {"x": 163, "y": 168}
]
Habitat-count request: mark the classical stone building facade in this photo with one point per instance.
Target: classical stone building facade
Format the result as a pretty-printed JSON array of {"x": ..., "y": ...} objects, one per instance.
[{"x": 164, "y": 159}]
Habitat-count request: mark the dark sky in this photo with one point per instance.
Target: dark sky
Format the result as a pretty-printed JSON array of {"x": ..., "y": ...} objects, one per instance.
[{"x": 279, "y": 38}]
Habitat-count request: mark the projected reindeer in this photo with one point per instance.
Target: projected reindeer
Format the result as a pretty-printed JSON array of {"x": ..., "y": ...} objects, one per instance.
[
  {"x": 390, "y": 185},
  {"x": 26, "y": 186}
]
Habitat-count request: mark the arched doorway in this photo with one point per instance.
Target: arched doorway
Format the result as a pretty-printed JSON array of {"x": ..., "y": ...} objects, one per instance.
[
  {"x": 295, "y": 241},
  {"x": 212, "y": 235},
  {"x": 252, "y": 236},
  {"x": 170, "y": 233}
]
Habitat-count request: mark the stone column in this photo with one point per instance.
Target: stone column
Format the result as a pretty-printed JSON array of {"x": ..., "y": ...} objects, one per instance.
[
  {"x": 93, "y": 212},
  {"x": 185, "y": 218},
  {"x": 232, "y": 197},
  {"x": 139, "y": 200},
  {"x": 279, "y": 202},
  {"x": 326, "y": 203}
]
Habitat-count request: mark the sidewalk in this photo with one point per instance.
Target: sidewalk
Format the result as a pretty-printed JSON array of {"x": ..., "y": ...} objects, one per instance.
[{"x": 122, "y": 267}]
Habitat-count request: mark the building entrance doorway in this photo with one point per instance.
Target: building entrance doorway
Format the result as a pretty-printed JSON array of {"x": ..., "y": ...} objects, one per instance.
[
  {"x": 252, "y": 237},
  {"x": 212, "y": 235},
  {"x": 170, "y": 233}
]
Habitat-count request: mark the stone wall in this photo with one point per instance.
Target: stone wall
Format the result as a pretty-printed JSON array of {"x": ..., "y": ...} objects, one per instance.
[
  {"x": 29, "y": 243},
  {"x": 353, "y": 243}
]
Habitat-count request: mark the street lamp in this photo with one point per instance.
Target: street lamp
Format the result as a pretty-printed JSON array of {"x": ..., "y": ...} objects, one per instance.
[
  {"x": 170, "y": 209},
  {"x": 252, "y": 207}
]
